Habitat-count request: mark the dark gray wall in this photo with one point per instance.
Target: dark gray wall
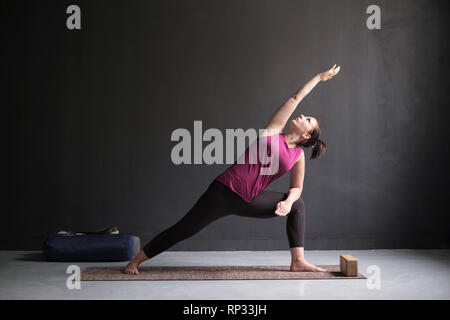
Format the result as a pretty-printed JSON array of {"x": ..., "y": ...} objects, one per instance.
[{"x": 90, "y": 113}]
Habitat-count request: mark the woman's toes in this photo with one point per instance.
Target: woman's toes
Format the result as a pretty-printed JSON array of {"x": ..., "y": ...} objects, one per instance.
[
  {"x": 321, "y": 269},
  {"x": 305, "y": 266},
  {"x": 132, "y": 272}
]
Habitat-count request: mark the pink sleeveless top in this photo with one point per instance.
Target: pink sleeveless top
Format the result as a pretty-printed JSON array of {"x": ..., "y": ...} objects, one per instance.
[{"x": 264, "y": 161}]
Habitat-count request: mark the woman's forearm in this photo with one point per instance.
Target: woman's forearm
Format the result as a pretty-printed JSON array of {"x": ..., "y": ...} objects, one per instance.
[
  {"x": 282, "y": 114},
  {"x": 280, "y": 117},
  {"x": 306, "y": 88},
  {"x": 294, "y": 194}
]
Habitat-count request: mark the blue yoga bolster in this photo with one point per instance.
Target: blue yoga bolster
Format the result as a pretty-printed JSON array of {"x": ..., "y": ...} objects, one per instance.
[{"x": 91, "y": 247}]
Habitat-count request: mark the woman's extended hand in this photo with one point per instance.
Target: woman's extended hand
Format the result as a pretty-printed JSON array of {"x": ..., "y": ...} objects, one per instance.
[
  {"x": 329, "y": 74},
  {"x": 283, "y": 208}
]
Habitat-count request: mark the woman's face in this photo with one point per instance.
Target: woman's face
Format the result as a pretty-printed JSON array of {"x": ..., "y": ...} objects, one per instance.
[{"x": 303, "y": 125}]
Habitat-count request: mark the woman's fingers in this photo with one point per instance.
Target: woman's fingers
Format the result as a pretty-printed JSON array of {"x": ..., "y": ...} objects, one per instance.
[
  {"x": 281, "y": 209},
  {"x": 333, "y": 72},
  {"x": 334, "y": 69},
  {"x": 337, "y": 70}
]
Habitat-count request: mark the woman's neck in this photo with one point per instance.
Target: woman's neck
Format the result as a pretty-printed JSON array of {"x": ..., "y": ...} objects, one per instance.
[{"x": 293, "y": 139}]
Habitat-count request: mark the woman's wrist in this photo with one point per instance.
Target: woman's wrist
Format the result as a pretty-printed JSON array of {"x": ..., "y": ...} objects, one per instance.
[
  {"x": 318, "y": 77},
  {"x": 290, "y": 201}
]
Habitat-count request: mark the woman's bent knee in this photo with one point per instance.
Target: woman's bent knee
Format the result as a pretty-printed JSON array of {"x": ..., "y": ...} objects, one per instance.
[{"x": 298, "y": 206}]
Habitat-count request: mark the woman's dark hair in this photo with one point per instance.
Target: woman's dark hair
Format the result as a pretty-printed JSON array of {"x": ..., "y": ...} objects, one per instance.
[{"x": 318, "y": 146}]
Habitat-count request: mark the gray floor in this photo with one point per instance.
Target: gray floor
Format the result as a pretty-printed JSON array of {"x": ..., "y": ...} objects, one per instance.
[{"x": 404, "y": 274}]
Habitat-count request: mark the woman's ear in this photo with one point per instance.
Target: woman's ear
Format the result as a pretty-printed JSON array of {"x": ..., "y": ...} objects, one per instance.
[{"x": 306, "y": 135}]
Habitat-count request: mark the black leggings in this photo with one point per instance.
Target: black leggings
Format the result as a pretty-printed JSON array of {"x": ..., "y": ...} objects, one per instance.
[{"x": 219, "y": 201}]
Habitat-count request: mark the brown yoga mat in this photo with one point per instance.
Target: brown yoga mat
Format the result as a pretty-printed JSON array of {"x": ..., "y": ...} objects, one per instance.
[{"x": 211, "y": 273}]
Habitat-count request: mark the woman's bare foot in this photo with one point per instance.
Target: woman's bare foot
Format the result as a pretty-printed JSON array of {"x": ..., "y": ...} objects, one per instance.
[
  {"x": 132, "y": 266},
  {"x": 305, "y": 266}
]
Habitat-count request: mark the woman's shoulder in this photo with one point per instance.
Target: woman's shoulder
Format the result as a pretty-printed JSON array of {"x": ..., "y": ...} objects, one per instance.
[{"x": 300, "y": 157}]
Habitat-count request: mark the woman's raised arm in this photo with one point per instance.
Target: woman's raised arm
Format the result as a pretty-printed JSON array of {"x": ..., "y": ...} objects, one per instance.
[{"x": 282, "y": 114}]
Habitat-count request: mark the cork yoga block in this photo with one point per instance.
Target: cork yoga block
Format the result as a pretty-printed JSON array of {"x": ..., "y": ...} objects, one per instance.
[{"x": 349, "y": 265}]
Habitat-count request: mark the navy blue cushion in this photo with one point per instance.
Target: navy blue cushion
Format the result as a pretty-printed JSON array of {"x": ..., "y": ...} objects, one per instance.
[{"x": 91, "y": 247}]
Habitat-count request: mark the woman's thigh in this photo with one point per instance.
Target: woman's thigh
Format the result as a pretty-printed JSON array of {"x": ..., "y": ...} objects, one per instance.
[
  {"x": 216, "y": 202},
  {"x": 263, "y": 205}
]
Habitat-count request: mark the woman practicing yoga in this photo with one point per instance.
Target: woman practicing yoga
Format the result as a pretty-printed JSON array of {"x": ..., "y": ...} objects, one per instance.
[{"x": 239, "y": 190}]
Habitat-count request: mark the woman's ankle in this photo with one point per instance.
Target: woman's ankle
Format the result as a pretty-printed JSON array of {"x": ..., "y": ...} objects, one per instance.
[
  {"x": 297, "y": 255},
  {"x": 140, "y": 257},
  {"x": 298, "y": 261}
]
